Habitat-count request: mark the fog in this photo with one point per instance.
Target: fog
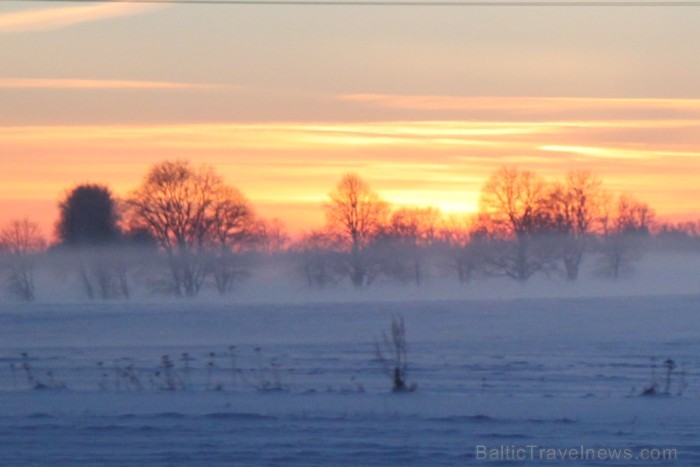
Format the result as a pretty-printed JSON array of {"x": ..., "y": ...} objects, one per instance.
[
  {"x": 142, "y": 276},
  {"x": 290, "y": 372}
]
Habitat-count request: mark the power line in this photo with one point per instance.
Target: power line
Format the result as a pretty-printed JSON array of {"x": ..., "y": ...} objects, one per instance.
[{"x": 389, "y": 3}]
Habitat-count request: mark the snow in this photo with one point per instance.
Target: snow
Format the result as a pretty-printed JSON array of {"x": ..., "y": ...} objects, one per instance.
[{"x": 305, "y": 387}]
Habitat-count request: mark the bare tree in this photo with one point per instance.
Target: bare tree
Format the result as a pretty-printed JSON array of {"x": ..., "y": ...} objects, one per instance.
[
  {"x": 99, "y": 273},
  {"x": 626, "y": 223},
  {"x": 454, "y": 236},
  {"x": 320, "y": 258},
  {"x": 576, "y": 205},
  {"x": 678, "y": 236},
  {"x": 415, "y": 231},
  {"x": 173, "y": 203},
  {"x": 103, "y": 271},
  {"x": 274, "y": 236},
  {"x": 188, "y": 212},
  {"x": 233, "y": 228},
  {"x": 458, "y": 246},
  {"x": 21, "y": 240},
  {"x": 515, "y": 203},
  {"x": 356, "y": 213},
  {"x": 633, "y": 216}
]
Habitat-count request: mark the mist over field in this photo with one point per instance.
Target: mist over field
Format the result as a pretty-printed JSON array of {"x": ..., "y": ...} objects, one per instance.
[
  {"x": 179, "y": 326},
  {"x": 440, "y": 355},
  {"x": 278, "y": 279},
  {"x": 354, "y": 233}
]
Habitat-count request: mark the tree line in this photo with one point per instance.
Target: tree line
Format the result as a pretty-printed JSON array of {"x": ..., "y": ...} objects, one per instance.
[{"x": 184, "y": 229}]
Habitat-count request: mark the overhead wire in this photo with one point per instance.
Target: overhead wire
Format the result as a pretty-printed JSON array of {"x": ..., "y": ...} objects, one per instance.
[{"x": 396, "y": 3}]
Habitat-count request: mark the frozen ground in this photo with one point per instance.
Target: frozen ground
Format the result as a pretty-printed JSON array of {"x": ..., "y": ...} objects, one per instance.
[{"x": 302, "y": 385}]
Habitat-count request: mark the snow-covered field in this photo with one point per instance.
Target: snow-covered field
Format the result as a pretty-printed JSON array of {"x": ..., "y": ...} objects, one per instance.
[{"x": 299, "y": 384}]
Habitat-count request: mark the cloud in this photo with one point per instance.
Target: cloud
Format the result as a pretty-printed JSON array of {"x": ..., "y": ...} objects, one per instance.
[
  {"x": 422, "y": 163},
  {"x": 536, "y": 107},
  {"x": 61, "y": 84},
  {"x": 617, "y": 153},
  {"x": 48, "y": 19}
]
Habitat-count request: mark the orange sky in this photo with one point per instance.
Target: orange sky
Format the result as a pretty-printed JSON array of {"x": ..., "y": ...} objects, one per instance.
[
  {"x": 287, "y": 169},
  {"x": 424, "y": 103}
]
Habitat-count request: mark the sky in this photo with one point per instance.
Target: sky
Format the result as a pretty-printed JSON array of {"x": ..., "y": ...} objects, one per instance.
[{"x": 422, "y": 102}]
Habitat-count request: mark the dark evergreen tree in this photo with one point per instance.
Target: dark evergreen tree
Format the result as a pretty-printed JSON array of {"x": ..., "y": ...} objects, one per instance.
[{"x": 88, "y": 217}]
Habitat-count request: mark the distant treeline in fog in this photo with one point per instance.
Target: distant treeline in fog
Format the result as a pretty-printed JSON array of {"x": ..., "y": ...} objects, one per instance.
[{"x": 183, "y": 230}]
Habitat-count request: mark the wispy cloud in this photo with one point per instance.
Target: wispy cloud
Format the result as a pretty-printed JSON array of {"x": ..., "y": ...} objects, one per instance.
[
  {"x": 47, "y": 19},
  {"x": 617, "y": 153},
  {"x": 58, "y": 84},
  {"x": 422, "y": 163},
  {"x": 534, "y": 107}
]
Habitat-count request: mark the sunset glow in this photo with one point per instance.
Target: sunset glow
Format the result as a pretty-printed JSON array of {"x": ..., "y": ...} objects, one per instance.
[
  {"x": 99, "y": 93},
  {"x": 349, "y": 232},
  {"x": 286, "y": 165}
]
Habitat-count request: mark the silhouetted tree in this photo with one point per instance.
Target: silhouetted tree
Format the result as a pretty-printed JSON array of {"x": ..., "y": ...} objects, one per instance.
[
  {"x": 89, "y": 234},
  {"x": 626, "y": 224},
  {"x": 174, "y": 203},
  {"x": 576, "y": 206},
  {"x": 139, "y": 236},
  {"x": 232, "y": 229},
  {"x": 683, "y": 236},
  {"x": 471, "y": 247},
  {"x": 453, "y": 236},
  {"x": 273, "y": 236},
  {"x": 88, "y": 217},
  {"x": 21, "y": 240},
  {"x": 413, "y": 231},
  {"x": 633, "y": 217},
  {"x": 321, "y": 258},
  {"x": 515, "y": 203},
  {"x": 357, "y": 214},
  {"x": 196, "y": 220}
]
